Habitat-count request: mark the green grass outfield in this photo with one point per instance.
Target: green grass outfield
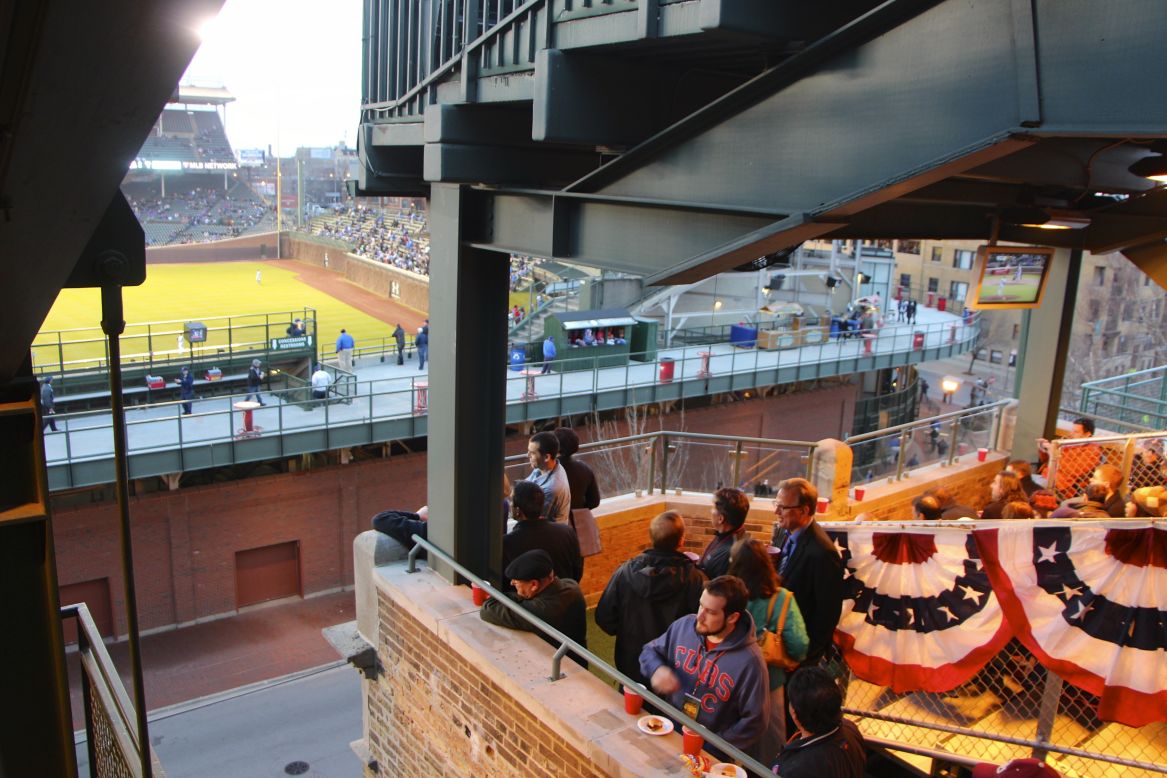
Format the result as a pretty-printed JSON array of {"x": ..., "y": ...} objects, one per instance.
[
  {"x": 1014, "y": 291},
  {"x": 196, "y": 292}
]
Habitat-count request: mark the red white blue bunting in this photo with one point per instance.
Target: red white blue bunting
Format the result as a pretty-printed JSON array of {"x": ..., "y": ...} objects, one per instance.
[
  {"x": 1089, "y": 601},
  {"x": 918, "y": 611}
]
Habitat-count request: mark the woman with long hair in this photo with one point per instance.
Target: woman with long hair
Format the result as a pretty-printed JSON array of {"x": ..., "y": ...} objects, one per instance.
[
  {"x": 750, "y": 562},
  {"x": 1006, "y": 488}
]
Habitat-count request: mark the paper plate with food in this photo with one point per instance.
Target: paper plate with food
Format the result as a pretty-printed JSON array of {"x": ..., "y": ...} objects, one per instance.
[
  {"x": 726, "y": 770},
  {"x": 655, "y": 725}
]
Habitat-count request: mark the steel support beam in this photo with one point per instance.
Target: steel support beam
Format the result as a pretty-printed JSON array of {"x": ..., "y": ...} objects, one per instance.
[{"x": 468, "y": 349}]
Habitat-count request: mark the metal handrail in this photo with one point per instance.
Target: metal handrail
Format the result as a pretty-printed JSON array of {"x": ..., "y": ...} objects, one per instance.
[
  {"x": 567, "y": 644},
  {"x": 924, "y": 423}
]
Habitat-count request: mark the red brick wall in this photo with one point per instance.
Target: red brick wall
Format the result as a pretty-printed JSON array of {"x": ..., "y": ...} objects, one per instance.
[
  {"x": 185, "y": 541},
  {"x": 463, "y": 724}
]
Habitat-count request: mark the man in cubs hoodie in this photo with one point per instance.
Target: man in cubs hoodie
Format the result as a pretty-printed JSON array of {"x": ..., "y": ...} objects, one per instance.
[{"x": 711, "y": 663}]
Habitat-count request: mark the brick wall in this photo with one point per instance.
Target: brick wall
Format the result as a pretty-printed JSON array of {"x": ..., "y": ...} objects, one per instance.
[
  {"x": 435, "y": 712},
  {"x": 185, "y": 541},
  {"x": 366, "y": 273}
]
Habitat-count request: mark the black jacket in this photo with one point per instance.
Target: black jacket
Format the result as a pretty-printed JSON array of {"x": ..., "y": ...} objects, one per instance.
[
  {"x": 643, "y": 597},
  {"x": 585, "y": 493},
  {"x": 838, "y": 754},
  {"x": 815, "y": 575},
  {"x": 715, "y": 560},
  {"x": 558, "y": 540},
  {"x": 561, "y": 605}
]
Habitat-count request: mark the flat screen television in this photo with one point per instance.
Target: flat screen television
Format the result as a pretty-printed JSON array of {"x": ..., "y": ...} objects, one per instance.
[{"x": 1010, "y": 276}]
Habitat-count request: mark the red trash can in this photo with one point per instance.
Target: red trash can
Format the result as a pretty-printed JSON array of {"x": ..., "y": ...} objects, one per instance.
[
  {"x": 942, "y": 303},
  {"x": 917, "y": 341},
  {"x": 667, "y": 366}
]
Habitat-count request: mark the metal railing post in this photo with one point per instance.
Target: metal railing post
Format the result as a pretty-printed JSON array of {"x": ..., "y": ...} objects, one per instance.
[
  {"x": 952, "y": 439},
  {"x": 664, "y": 465},
  {"x": 900, "y": 459},
  {"x": 652, "y": 465},
  {"x": 737, "y": 463}
]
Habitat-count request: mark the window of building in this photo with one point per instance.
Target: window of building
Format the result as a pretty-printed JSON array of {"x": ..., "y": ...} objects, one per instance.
[
  {"x": 933, "y": 284},
  {"x": 957, "y": 290},
  {"x": 937, "y": 254},
  {"x": 1099, "y": 276},
  {"x": 910, "y": 246},
  {"x": 906, "y": 280},
  {"x": 1095, "y": 308},
  {"x": 962, "y": 260},
  {"x": 1016, "y": 331}
]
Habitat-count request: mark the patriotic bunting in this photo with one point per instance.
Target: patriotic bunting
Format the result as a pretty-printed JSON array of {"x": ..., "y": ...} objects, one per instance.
[
  {"x": 918, "y": 609},
  {"x": 1090, "y": 601}
]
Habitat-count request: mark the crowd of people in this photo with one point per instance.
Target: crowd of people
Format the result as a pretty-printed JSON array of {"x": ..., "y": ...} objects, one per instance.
[
  {"x": 736, "y": 637},
  {"x": 231, "y": 213},
  {"x": 393, "y": 237}
]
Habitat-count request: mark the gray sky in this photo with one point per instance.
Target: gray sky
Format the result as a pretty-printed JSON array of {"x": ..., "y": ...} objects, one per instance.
[{"x": 293, "y": 67}]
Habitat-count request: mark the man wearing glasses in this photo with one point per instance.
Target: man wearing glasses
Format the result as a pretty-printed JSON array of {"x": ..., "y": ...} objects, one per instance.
[{"x": 810, "y": 566}]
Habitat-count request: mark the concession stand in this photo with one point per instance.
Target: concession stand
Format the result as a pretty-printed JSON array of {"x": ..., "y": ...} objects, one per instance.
[{"x": 585, "y": 340}]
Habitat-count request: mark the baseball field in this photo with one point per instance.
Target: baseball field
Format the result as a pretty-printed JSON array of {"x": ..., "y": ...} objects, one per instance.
[{"x": 177, "y": 293}]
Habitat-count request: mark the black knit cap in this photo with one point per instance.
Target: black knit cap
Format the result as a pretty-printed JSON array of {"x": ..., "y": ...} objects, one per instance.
[{"x": 530, "y": 566}]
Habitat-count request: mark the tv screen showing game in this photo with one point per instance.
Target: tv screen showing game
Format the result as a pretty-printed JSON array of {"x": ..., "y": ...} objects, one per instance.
[{"x": 1011, "y": 276}]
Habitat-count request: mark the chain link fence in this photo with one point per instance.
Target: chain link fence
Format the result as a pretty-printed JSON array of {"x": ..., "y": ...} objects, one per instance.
[{"x": 1073, "y": 464}]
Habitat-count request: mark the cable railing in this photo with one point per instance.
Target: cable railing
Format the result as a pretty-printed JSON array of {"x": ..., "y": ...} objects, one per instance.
[
  {"x": 111, "y": 736},
  {"x": 671, "y": 374},
  {"x": 566, "y": 644},
  {"x": 894, "y": 452},
  {"x": 677, "y": 461}
]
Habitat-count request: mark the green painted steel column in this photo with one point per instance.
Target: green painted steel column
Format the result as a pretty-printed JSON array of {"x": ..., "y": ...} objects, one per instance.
[
  {"x": 1046, "y": 343},
  {"x": 467, "y": 388}
]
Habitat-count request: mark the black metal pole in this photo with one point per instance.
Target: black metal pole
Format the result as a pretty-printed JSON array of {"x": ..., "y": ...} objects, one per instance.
[{"x": 113, "y": 324}]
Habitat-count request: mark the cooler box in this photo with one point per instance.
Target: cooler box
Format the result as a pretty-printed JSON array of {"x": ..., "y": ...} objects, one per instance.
[
  {"x": 155, "y": 382},
  {"x": 214, "y": 374}
]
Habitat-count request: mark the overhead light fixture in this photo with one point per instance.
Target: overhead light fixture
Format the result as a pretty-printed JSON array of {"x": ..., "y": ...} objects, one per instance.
[
  {"x": 1061, "y": 220},
  {"x": 1153, "y": 165}
]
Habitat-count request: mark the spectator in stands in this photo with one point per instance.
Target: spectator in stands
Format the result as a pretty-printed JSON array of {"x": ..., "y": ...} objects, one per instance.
[
  {"x": 1006, "y": 488},
  {"x": 47, "y": 405},
  {"x": 321, "y": 381},
  {"x": 1024, "y": 473},
  {"x": 1148, "y": 468},
  {"x": 826, "y": 745},
  {"x": 254, "y": 380},
  {"x": 585, "y": 492},
  {"x": 540, "y": 592},
  {"x": 422, "y": 342},
  {"x": 1018, "y": 510},
  {"x": 532, "y": 531},
  {"x": 1044, "y": 503},
  {"x": 344, "y": 351},
  {"x": 730, "y": 507},
  {"x": 810, "y": 565},
  {"x": 1111, "y": 477},
  {"x": 751, "y": 563},
  {"x": 548, "y": 354},
  {"x": 186, "y": 391},
  {"x": 927, "y": 508},
  {"x": 1092, "y": 507},
  {"x": 549, "y": 475},
  {"x": 1076, "y": 463},
  {"x": 649, "y": 592},
  {"x": 709, "y": 665},
  {"x": 1147, "y": 502},
  {"x": 296, "y": 328},
  {"x": 949, "y": 507},
  {"x": 399, "y": 338}
]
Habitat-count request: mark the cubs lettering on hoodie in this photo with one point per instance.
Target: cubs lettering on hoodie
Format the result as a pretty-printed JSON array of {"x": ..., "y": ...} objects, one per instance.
[{"x": 729, "y": 679}]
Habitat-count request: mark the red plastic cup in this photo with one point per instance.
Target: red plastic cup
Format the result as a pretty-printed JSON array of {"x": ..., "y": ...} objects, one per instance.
[
  {"x": 824, "y": 503},
  {"x": 479, "y": 594},
  {"x": 691, "y": 742},
  {"x": 633, "y": 702},
  {"x": 982, "y": 453},
  {"x": 860, "y": 491}
]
